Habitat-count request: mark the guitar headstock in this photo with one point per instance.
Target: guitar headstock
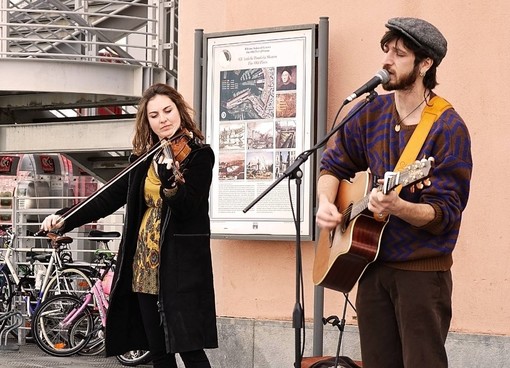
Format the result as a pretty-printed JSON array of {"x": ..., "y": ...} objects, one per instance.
[{"x": 411, "y": 174}]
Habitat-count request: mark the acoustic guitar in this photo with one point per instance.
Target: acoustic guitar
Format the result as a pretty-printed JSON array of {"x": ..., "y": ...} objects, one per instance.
[{"x": 343, "y": 254}]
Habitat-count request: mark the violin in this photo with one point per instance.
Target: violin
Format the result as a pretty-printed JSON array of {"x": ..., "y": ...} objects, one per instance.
[{"x": 176, "y": 149}]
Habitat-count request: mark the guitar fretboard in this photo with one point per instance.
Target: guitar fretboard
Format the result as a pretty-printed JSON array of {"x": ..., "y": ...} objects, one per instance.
[{"x": 359, "y": 207}]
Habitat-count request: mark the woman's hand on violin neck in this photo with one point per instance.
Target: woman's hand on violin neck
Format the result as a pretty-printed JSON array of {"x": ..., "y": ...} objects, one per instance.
[
  {"x": 166, "y": 176},
  {"x": 167, "y": 161}
]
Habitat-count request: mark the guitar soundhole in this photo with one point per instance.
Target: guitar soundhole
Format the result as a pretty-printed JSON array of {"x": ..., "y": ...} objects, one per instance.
[{"x": 342, "y": 226}]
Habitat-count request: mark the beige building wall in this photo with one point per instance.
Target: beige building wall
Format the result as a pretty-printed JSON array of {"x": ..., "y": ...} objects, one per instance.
[{"x": 256, "y": 279}]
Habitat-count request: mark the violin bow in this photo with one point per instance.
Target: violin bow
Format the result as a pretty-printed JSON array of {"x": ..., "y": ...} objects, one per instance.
[{"x": 161, "y": 145}]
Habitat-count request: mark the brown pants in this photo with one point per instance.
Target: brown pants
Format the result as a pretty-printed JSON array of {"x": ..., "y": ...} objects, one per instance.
[{"x": 403, "y": 317}]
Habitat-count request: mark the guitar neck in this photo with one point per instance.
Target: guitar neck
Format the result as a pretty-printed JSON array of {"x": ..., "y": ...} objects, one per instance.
[
  {"x": 407, "y": 176},
  {"x": 358, "y": 207}
]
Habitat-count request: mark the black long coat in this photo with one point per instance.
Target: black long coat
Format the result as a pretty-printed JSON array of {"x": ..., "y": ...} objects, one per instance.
[{"x": 186, "y": 294}]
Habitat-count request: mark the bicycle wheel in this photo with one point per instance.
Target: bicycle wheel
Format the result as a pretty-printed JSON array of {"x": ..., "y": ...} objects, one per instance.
[
  {"x": 5, "y": 292},
  {"x": 96, "y": 344},
  {"x": 70, "y": 281},
  {"x": 57, "y": 337},
  {"x": 6, "y": 295},
  {"x": 134, "y": 358}
]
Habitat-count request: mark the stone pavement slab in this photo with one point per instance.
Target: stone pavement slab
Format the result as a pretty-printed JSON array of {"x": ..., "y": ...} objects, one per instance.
[{"x": 30, "y": 356}]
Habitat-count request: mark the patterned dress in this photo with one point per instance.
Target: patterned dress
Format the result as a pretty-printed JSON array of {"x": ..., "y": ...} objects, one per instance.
[{"x": 146, "y": 261}]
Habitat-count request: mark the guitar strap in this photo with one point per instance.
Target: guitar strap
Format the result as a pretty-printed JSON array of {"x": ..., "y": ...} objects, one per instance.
[{"x": 433, "y": 110}]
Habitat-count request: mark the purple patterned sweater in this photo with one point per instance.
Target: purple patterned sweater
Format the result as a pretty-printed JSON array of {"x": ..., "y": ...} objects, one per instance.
[{"x": 369, "y": 141}]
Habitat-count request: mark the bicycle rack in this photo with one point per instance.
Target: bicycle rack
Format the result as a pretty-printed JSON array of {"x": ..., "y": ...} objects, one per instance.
[{"x": 16, "y": 320}]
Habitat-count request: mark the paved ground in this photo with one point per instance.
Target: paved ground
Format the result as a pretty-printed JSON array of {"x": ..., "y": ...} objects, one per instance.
[{"x": 29, "y": 355}]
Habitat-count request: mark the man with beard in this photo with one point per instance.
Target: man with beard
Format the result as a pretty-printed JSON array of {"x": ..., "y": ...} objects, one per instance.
[{"x": 403, "y": 300}]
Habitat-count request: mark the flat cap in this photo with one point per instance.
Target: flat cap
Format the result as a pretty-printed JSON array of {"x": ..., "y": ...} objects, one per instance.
[{"x": 423, "y": 34}]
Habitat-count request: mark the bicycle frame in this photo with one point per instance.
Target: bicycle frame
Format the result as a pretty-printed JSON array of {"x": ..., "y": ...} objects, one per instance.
[
  {"x": 53, "y": 264},
  {"x": 101, "y": 300},
  {"x": 96, "y": 293},
  {"x": 71, "y": 317}
]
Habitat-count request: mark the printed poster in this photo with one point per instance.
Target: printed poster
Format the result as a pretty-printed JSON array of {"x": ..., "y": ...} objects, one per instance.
[{"x": 258, "y": 119}]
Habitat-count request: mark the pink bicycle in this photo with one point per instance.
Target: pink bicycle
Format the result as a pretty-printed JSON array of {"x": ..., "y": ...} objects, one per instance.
[{"x": 66, "y": 324}]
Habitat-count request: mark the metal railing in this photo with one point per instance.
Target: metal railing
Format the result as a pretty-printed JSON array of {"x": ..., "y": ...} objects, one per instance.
[
  {"x": 86, "y": 30},
  {"x": 124, "y": 32}
]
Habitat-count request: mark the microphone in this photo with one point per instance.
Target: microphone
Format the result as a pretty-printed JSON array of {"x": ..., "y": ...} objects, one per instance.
[{"x": 381, "y": 77}]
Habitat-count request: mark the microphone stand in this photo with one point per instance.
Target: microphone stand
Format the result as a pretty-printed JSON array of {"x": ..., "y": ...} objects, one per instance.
[{"x": 294, "y": 172}]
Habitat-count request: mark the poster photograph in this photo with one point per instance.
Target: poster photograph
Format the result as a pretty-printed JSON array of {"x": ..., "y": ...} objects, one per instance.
[{"x": 258, "y": 119}]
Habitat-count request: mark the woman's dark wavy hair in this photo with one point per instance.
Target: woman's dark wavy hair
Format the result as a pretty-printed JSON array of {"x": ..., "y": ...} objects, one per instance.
[
  {"x": 420, "y": 54},
  {"x": 144, "y": 137}
]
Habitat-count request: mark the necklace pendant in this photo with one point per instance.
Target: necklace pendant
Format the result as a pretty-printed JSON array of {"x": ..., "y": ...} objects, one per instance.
[{"x": 397, "y": 128}]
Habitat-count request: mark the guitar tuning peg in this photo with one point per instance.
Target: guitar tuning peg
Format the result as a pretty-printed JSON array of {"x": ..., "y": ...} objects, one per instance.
[
  {"x": 412, "y": 189},
  {"x": 419, "y": 185},
  {"x": 427, "y": 182}
]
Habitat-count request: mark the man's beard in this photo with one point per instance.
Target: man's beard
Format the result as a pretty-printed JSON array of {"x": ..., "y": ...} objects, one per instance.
[{"x": 405, "y": 83}]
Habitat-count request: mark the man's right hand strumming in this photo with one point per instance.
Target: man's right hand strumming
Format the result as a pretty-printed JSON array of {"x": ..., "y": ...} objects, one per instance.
[{"x": 327, "y": 216}]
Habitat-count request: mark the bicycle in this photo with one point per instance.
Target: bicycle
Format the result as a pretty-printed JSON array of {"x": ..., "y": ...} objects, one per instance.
[
  {"x": 32, "y": 282},
  {"x": 47, "y": 274},
  {"x": 66, "y": 324},
  {"x": 92, "y": 270}
]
